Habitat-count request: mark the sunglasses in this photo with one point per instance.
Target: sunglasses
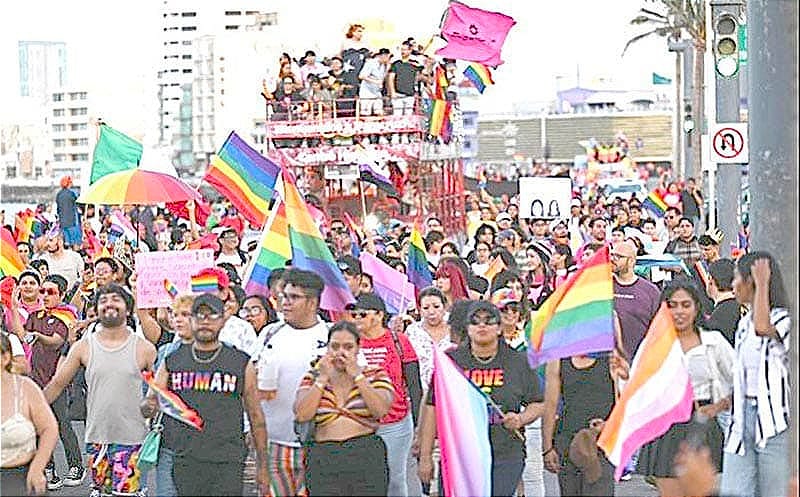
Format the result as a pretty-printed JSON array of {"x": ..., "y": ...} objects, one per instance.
[
  {"x": 488, "y": 320},
  {"x": 48, "y": 291},
  {"x": 359, "y": 314}
]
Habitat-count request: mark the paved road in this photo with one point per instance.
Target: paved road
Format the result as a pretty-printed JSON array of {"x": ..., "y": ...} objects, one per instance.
[{"x": 636, "y": 487}]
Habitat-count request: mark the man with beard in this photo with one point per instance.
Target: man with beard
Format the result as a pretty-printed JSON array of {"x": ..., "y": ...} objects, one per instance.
[
  {"x": 115, "y": 429},
  {"x": 60, "y": 260},
  {"x": 218, "y": 382}
]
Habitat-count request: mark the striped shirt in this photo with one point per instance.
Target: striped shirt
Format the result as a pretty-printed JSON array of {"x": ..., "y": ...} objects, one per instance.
[
  {"x": 354, "y": 406},
  {"x": 773, "y": 399}
]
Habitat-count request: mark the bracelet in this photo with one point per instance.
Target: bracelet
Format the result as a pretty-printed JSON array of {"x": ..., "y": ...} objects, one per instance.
[
  {"x": 359, "y": 377},
  {"x": 551, "y": 449}
]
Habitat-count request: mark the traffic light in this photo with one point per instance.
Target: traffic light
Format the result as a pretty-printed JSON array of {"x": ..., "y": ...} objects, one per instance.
[{"x": 726, "y": 45}]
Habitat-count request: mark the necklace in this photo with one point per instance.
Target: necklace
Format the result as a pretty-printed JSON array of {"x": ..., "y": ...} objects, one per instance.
[
  {"x": 486, "y": 360},
  {"x": 213, "y": 356}
]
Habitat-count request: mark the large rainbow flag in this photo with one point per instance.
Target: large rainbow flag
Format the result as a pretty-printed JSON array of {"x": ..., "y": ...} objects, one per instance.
[
  {"x": 439, "y": 117},
  {"x": 462, "y": 424},
  {"x": 273, "y": 251},
  {"x": 309, "y": 250},
  {"x": 578, "y": 318},
  {"x": 479, "y": 75},
  {"x": 417, "y": 265},
  {"x": 244, "y": 177},
  {"x": 655, "y": 204},
  {"x": 10, "y": 261},
  {"x": 657, "y": 395}
]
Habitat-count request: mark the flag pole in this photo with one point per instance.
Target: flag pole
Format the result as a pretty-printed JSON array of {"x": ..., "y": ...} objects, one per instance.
[
  {"x": 273, "y": 213},
  {"x": 363, "y": 203}
]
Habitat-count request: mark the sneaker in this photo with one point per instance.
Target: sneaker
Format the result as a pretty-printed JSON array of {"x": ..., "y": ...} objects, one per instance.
[
  {"x": 626, "y": 476},
  {"x": 53, "y": 481},
  {"x": 75, "y": 476}
]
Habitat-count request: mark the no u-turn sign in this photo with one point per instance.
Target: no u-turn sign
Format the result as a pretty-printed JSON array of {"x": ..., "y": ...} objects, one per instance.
[{"x": 729, "y": 143}]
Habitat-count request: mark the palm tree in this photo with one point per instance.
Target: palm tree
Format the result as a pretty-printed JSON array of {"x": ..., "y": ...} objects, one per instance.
[{"x": 674, "y": 18}]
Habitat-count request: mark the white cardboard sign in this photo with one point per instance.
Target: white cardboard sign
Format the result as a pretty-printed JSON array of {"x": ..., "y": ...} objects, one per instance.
[{"x": 544, "y": 197}]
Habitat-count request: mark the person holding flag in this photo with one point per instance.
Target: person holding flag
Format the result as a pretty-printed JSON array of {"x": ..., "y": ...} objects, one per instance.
[{"x": 507, "y": 383}]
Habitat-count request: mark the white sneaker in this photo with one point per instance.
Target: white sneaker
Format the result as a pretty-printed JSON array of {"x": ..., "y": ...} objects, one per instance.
[
  {"x": 75, "y": 476},
  {"x": 53, "y": 481}
]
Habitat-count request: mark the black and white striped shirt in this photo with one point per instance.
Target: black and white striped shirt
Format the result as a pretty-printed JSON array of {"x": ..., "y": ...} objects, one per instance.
[{"x": 773, "y": 399}]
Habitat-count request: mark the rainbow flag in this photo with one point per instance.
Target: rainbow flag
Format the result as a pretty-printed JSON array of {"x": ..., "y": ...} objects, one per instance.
[
  {"x": 273, "y": 251},
  {"x": 417, "y": 265},
  {"x": 244, "y": 177},
  {"x": 309, "y": 250},
  {"x": 462, "y": 424},
  {"x": 170, "y": 288},
  {"x": 205, "y": 283},
  {"x": 23, "y": 225},
  {"x": 172, "y": 405},
  {"x": 655, "y": 204},
  {"x": 439, "y": 117},
  {"x": 657, "y": 395},
  {"x": 479, "y": 75},
  {"x": 702, "y": 273},
  {"x": 10, "y": 261},
  {"x": 66, "y": 313},
  {"x": 496, "y": 266},
  {"x": 578, "y": 317},
  {"x": 440, "y": 82}
]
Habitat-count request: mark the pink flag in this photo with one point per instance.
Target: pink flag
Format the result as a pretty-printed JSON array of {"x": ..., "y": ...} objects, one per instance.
[
  {"x": 474, "y": 35},
  {"x": 392, "y": 285}
]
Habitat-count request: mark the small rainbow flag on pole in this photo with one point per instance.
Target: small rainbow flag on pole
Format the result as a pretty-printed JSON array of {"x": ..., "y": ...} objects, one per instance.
[
  {"x": 244, "y": 177},
  {"x": 204, "y": 283},
  {"x": 440, "y": 115},
  {"x": 655, "y": 204},
  {"x": 10, "y": 261},
  {"x": 578, "y": 318},
  {"x": 479, "y": 75},
  {"x": 172, "y": 405},
  {"x": 419, "y": 274},
  {"x": 657, "y": 395}
]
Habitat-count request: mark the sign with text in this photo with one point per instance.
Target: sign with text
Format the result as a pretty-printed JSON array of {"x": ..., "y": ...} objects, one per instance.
[
  {"x": 544, "y": 197},
  {"x": 176, "y": 266}
]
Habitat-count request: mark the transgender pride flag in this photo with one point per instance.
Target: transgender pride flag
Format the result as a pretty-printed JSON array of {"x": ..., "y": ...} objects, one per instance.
[{"x": 462, "y": 423}]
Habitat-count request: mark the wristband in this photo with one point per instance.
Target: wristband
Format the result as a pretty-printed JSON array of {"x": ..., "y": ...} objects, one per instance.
[
  {"x": 359, "y": 377},
  {"x": 551, "y": 449}
]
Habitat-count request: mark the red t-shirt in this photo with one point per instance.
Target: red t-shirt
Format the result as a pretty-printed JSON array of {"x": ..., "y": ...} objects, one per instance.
[
  {"x": 44, "y": 359},
  {"x": 382, "y": 352}
]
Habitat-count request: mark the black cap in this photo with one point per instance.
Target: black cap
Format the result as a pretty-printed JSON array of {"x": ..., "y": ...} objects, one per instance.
[
  {"x": 208, "y": 300},
  {"x": 482, "y": 306},
  {"x": 349, "y": 264},
  {"x": 368, "y": 301},
  {"x": 384, "y": 51}
]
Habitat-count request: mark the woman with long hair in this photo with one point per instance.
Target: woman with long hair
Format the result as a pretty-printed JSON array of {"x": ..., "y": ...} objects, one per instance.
[
  {"x": 562, "y": 264},
  {"x": 345, "y": 402},
  {"x": 538, "y": 279},
  {"x": 451, "y": 281},
  {"x": 710, "y": 360},
  {"x": 482, "y": 252},
  {"x": 431, "y": 331},
  {"x": 484, "y": 356},
  {"x": 757, "y": 442},
  {"x": 26, "y": 418}
]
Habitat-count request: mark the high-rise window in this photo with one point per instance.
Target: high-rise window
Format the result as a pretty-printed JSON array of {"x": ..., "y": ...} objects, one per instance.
[{"x": 58, "y": 112}]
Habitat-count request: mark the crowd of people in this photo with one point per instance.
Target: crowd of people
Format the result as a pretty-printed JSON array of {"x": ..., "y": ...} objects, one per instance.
[{"x": 307, "y": 401}]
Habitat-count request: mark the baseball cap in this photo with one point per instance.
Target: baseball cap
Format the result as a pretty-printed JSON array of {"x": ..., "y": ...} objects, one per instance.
[
  {"x": 368, "y": 301},
  {"x": 384, "y": 51},
  {"x": 483, "y": 306},
  {"x": 576, "y": 202},
  {"x": 504, "y": 296},
  {"x": 503, "y": 216},
  {"x": 223, "y": 280},
  {"x": 349, "y": 264},
  {"x": 208, "y": 300},
  {"x": 508, "y": 234}
]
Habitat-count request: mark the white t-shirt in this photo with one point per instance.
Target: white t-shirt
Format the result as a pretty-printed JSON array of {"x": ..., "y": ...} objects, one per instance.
[
  {"x": 281, "y": 365},
  {"x": 238, "y": 334},
  {"x": 69, "y": 265}
]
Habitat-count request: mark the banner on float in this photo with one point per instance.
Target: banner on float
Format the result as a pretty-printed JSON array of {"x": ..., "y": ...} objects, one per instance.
[
  {"x": 544, "y": 197},
  {"x": 177, "y": 266}
]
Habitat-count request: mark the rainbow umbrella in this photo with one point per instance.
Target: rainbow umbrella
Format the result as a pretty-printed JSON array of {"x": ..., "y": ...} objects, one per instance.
[{"x": 137, "y": 187}]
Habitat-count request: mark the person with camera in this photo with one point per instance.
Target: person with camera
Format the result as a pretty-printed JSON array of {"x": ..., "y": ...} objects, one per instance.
[{"x": 346, "y": 456}]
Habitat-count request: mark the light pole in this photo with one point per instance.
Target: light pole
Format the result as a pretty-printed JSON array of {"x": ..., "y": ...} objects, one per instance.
[{"x": 686, "y": 50}]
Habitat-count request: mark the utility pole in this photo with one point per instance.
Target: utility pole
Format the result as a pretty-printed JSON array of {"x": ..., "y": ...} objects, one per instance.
[
  {"x": 725, "y": 15},
  {"x": 772, "y": 39},
  {"x": 685, "y": 49}
]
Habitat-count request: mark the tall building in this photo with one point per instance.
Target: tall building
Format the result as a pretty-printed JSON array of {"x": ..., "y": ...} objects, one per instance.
[
  {"x": 184, "y": 21},
  {"x": 72, "y": 132},
  {"x": 42, "y": 68}
]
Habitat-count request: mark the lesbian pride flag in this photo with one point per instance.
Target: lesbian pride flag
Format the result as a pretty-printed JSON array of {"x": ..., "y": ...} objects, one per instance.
[
  {"x": 657, "y": 395},
  {"x": 462, "y": 423}
]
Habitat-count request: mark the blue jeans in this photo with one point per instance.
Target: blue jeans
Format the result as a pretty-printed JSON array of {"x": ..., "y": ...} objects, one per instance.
[
  {"x": 759, "y": 472},
  {"x": 398, "y": 438},
  {"x": 165, "y": 486}
]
